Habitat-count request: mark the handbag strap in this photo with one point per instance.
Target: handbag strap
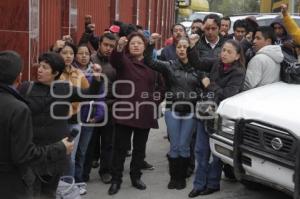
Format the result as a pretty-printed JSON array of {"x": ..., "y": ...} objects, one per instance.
[{"x": 72, "y": 184}]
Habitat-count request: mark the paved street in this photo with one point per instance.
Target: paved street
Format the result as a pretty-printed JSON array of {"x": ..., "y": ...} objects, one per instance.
[{"x": 157, "y": 180}]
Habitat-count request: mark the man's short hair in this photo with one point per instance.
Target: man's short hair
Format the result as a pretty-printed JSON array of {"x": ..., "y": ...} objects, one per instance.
[
  {"x": 215, "y": 17},
  {"x": 240, "y": 23},
  {"x": 10, "y": 66},
  {"x": 267, "y": 32},
  {"x": 109, "y": 36},
  {"x": 178, "y": 24},
  {"x": 197, "y": 21},
  {"x": 226, "y": 18},
  {"x": 55, "y": 61}
]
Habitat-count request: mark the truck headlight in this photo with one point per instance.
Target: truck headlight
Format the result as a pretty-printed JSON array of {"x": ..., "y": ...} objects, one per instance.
[{"x": 227, "y": 127}]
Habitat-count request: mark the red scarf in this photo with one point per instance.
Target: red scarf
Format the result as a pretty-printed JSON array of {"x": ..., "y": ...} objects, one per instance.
[{"x": 226, "y": 66}]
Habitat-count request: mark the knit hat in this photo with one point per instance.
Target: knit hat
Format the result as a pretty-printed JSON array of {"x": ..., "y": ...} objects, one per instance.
[{"x": 10, "y": 66}]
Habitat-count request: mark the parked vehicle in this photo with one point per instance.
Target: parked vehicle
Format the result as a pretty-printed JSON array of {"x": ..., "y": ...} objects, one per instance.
[
  {"x": 266, "y": 20},
  {"x": 201, "y": 15},
  {"x": 261, "y": 18},
  {"x": 257, "y": 132}
]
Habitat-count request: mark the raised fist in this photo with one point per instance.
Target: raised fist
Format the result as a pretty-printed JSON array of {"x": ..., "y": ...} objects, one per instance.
[
  {"x": 284, "y": 9},
  {"x": 87, "y": 19},
  {"x": 97, "y": 70},
  {"x": 194, "y": 38},
  {"x": 90, "y": 28},
  {"x": 122, "y": 43}
]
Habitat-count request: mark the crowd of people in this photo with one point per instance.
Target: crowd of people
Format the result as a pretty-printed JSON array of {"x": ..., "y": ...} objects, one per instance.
[{"x": 109, "y": 89}]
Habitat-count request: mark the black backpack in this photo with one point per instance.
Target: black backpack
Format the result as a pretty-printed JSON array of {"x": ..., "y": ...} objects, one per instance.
[{"x": 290, "y": 69}]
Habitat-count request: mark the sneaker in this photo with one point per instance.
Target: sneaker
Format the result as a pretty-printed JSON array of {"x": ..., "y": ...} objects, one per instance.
[
  {"x": 147, "y": 166},
  {"x": 82, "y": 188},
  {"x": 82, "y": 191}
]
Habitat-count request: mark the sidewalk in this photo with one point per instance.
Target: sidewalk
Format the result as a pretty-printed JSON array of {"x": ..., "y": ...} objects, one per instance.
[{"x": 158, "y": 179}]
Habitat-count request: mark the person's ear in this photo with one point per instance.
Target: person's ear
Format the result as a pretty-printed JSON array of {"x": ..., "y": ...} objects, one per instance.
[
  {"x": 269, "y": 41},
  {"x": 237, "y": 57},
  {"x": 18, "y": 80}
]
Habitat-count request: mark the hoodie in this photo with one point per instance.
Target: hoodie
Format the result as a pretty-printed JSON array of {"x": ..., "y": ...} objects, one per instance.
[
  {"x": 264, "y": 67},
  {"x": 283, "y": 38}
]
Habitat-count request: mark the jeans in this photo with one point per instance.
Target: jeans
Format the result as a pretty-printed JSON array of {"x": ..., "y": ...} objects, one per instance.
[
  {"x": 180, "y": 131},
  {"x": 71, "y": 167},
  {"x": 209, "y": 170},
  {"x": 85, "y": 137}
]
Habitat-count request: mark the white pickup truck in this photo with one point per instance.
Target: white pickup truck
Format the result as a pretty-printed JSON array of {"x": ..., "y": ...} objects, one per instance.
[{"x": 257, "y": 132}]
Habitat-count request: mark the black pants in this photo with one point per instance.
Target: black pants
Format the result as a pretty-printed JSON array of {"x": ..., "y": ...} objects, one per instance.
[
  {"x": 13, "y": 187},
  {"x": 45, "y": 186},
  {"x": 102, "y": 143},
  {"x": 122, "y": 144}
]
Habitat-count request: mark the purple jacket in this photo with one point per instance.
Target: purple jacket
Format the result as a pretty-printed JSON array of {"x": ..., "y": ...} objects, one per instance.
[
  {"x": 97, "y": 110},
  {"x": 138, "y": 113}
]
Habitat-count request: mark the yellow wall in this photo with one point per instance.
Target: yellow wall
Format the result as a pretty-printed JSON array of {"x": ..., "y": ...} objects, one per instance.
[
  {"x": 196, "y": 5},
  {"x": 199, "y": 5}
]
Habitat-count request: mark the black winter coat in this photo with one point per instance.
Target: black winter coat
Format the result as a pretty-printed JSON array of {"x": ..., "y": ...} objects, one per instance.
[
  {"x": 48, "y": 128},
  {"x": 205, "y": 50},
  {"x": 109, "y": 72},
  {"x": 17, "y": 150},
  {"x": 227, "y": 83},
  {"x": 224, "y": 84}
]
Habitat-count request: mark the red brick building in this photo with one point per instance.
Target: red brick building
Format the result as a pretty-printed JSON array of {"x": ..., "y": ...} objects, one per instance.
[{"x": 32, "y": 26}]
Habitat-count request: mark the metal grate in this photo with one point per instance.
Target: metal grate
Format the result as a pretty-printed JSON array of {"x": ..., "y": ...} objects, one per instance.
[
  {"x": 260, "y": 137},
  {"x": 251, "y": 136},
  {"x": 286, "y": 141}
]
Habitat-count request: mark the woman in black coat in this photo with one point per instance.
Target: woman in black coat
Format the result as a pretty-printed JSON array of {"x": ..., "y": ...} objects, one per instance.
[
  {"x": 17, "y": 150},
  {"x": 225, "y": 80},
  {"x": 183, "y": 91},
  {"x": 49, "y": 104}
]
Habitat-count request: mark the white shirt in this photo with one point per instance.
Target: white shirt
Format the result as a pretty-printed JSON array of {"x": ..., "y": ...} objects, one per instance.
[{"x": 212, "y": 45}]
